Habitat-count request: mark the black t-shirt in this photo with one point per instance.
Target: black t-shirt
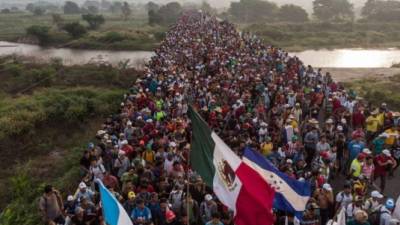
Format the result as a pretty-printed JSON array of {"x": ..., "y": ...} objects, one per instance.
[{"x": 85, "y": 162}]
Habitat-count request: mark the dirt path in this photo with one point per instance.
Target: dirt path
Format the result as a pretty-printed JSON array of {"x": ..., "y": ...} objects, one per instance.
[{"x": 350, "y": 74}]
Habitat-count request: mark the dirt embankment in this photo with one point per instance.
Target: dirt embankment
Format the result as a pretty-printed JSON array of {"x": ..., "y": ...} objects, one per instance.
[{"x": 351, "y": 74}]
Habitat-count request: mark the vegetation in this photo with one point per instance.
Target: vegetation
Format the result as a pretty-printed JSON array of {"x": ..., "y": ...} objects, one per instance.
[
  {"x": 378, "y": 90},
  {"x": 383, "y": 11},
  {"x": 94, "y": 21},
  {"x": 164, "y": 15},
  {"x": 314, "y": 35},
  {"x": 126, "y": 10},
  {"x": 136, "y": 33},
  {"x": 47, "y": 114},
  {"x": 328, "y": 10},
  {"x": 71, "y": 8},
  {"x": 292, "y": 13},
  {"x": 75, "y": 29},
  {"x": 40, "y": 32},
  {"x": 251, "y": 11}
]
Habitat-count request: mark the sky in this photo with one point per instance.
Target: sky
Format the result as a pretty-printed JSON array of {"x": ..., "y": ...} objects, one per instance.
[{"x": 307, "y": 4}]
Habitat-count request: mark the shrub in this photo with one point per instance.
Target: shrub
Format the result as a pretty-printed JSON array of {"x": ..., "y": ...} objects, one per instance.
[
  {"x": 75, "y": 29},
  {"x": 40, "y": 32}
]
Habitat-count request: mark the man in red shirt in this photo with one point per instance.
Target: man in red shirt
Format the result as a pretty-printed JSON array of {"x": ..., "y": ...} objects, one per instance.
[
  {"x": 383, "y": 163},
  {"x": 110, "y": 181}
]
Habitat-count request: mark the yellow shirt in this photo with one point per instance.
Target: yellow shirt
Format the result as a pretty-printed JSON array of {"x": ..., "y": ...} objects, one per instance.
[
  {"x": 392, "y": 135},
  {"x": 381, "y": 118},
  {"x": 294, "y": 124},
  {"x": 356, "y": 167},
  {"x": 266, "y": 148},
  {"x": 372, "y": 124}
]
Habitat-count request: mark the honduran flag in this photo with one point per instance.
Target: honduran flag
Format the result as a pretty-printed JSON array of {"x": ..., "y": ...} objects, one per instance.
[
  {"x": 291, "y": 195},
  {"x": 236, "y": 185},
  {"x": 113, "y": 212}
]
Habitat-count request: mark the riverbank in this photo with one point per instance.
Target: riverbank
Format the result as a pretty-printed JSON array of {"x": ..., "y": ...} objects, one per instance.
[
  {"x": 115, "y": 34},
  {"x": 48, "y": 113},
  {"x": 356, "y": 74},
  {"x": 136, "y": 34},
  {"x": 315, "y": 35}
]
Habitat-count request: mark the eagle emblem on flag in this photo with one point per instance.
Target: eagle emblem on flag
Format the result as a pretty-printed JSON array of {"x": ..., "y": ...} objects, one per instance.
[{"x": 227, "y": 174}]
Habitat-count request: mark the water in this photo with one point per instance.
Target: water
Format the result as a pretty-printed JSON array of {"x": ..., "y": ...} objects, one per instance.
[
  {"x": 339, "y": 58},
  {"x": 75, "y": 56},
  {"x": 350, "y": 58}
]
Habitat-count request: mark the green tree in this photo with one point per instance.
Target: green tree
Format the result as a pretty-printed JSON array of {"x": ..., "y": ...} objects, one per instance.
[
  {"x": 40, "y": 32},
  {"x": 206, "y": 7},
  {"x": 5, "y": 11},
  {"x": 75, "y": 29},
  {"x": 333, "y": 10},
  {"x": 30, "y": 7},
  {"x": 167, "y": 14},
  {"x": 292, "y": 13},
  {"x": 93, "y": 9},
  {"x": 152, "y": 6},
  {"x": 126, "y": 10},
  {"x": 253, "y": 10},
  {"x": 381, "y": 11},
  {"x": 116, "y": 7},
  {"x": 94, "y": 21},
  {"x": 38, "y": 11},
  {"x": 71, "y": 8}
]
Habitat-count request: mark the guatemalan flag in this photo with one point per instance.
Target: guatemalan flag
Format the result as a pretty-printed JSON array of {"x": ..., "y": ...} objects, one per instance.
[
  {"x": 291, "y": 195},
  {"x": 114, "y": 213}
]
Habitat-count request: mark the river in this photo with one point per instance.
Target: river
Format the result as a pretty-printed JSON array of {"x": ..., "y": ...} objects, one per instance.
[{"x": 338, "y": 58}]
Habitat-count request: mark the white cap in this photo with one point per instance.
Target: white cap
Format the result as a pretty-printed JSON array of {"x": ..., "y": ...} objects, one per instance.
[
  {"x": 386, "y": 152},
  {"x": 339, "y": 128},
  {"x": 101, "y": 132},
  {"x": 327, "y": 187},
  {"x": 82, "y": 185},
  {"x": 70, "y": 198},
  {"x": 367, "y": 151},
  {"x": 208, "y": 197},
  {"x": 343, "y": 120},
  {"x": 289, "y": 161},
  {"x": 376, "y": 194},
  {"x": 129, "y": 123},
  {"x": 172, "y": 144},
  {"x": 121, "y": 152},
  {"x": 329, "y": 120},
  {"x": 124, "y": 142},
  {"x": 149, "y": 120}
]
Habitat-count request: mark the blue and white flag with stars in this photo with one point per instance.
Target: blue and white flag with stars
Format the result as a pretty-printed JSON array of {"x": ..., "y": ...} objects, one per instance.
[{"x": 291, "y": 195}]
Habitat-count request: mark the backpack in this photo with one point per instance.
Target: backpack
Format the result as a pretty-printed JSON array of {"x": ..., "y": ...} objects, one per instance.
[{"x": 374, "y": 217}]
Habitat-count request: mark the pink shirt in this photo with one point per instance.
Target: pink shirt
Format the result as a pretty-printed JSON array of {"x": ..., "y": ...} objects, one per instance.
[{"x": 368, "y": 170}]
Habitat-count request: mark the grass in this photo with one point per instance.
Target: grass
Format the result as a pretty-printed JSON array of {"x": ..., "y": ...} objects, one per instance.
[
  {"x": 135, "y": 32},
  {"x": 45, "y": 128},
  {"x": 313, "y": 35},
  {"x": 378, "y": 90}
]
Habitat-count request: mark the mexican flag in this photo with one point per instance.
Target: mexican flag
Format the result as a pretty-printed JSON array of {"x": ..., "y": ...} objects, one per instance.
[{"x": 236, "y": 185}]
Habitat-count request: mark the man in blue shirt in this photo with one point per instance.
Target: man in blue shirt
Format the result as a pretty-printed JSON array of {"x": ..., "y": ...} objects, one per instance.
[
  {"x": 355, "y": 147},
  {"x": 141, "y": 214}
]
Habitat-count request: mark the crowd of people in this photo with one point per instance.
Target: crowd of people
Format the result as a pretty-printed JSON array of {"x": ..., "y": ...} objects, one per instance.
[{"x": 250, "y": 94}]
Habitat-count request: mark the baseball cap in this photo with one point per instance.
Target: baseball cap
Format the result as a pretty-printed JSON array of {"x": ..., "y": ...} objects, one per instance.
[
  {"x": 82, "y": 185},
  {"x": 131, "y": 195},
  {"x": 367, "y": 151},
  {"x": 70, "y": 198},
  {"x": 386, "y": 152},
  {"x": 327, "y": 187},
  {"x": 389, "y": 203},
  {"x": 376, "y": 194},
  {"x": 208, "y": 197}
]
